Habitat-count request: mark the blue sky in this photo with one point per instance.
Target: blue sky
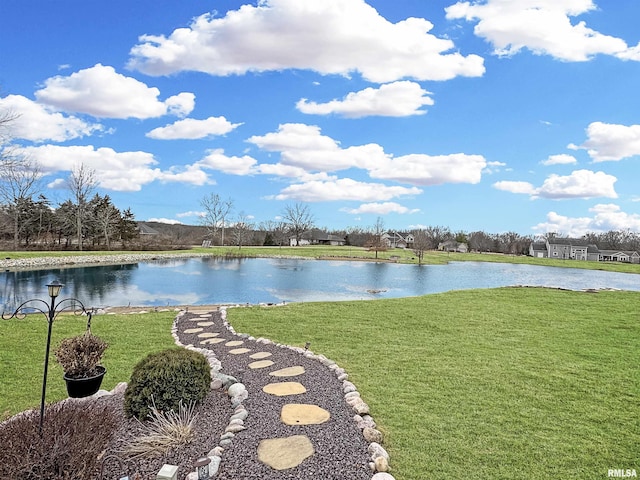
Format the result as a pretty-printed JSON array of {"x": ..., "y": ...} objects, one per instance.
[{"x": 494, "y": 115}]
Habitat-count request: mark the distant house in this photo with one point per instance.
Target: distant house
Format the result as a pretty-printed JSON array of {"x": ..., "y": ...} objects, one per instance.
[
  {"x": 318, "y": 237},
  {"x": 538, "y": 250},
  {"x": 619, "y": 256},
  {"x": 579, "y": 249},
  {"x": 398, "y": 239},
  {"x": 453, "y": 246}
]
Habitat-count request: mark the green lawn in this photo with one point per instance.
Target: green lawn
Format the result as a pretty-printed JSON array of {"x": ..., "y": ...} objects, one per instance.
[
  {"x": 23, "y": 343},
  {"x": 501, "y": 384},
  {"x": 431, "y": 257}
]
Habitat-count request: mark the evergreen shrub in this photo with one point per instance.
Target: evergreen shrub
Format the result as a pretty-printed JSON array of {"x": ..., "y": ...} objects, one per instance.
[{"x": 165, "y": 379}]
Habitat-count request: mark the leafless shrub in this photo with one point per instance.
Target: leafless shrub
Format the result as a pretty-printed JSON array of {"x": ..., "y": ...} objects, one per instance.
[{"x": 73, "y": 436}]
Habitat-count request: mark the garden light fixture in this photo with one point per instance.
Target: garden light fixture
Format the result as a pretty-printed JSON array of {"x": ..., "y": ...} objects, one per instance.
[{"x": 50, "y": 312}]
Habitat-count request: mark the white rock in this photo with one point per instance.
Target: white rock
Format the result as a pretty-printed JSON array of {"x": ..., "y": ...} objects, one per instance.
[
  {"x": 383, "y": 476},
  {"x": 236, "y": 389},
  {"x": 376, "y": 450}
]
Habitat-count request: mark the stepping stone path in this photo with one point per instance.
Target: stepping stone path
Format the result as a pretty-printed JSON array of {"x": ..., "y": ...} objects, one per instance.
[
  {"x": 282, "y": 389},
  {"x": 260, "y": 364},
  {"x": 253, "y": 382}
]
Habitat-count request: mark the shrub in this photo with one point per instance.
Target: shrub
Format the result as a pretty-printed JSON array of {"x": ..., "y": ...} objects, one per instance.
[
  {"x": 165, "y": 379},
  {"x": 80, "y": 355},
  {"x": 73, "y": 436}
]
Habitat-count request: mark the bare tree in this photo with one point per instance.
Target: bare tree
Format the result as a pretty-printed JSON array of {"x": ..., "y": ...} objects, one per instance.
[
  {"x": 421, "y": 243},
  {"x": 19, "y": 175},
  {"x": 81, "y": 183},
  {"x": 216, "y": 211},
  {"x": 242, "y": 228},
  {"x": 106, "y": 216},
  {"x": 298, "y": 219},
  {"x": 376, "y": 242}
]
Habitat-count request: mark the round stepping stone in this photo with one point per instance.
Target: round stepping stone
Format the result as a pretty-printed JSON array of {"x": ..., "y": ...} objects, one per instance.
[
  {"x": 193, "y": 330},
  {"x": 284, "y": 388},
  {"x": 211, "y": 341},
  {"x": 284, "y": 453},
  {"x": 233, "y": 343},
  {"x": 205, "y": 324},
  {"x": 260, "y": 355},
  {"x": 303, "y": 414},
  {"x": 208, "y": 335},
  {"x": 238, "y": 351},
  {"x": 260, "y": 364},
  {"x": 288, "y": 372}
]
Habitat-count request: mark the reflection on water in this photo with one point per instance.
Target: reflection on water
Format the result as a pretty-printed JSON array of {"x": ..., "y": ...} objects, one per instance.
[{"x": 199, "y": 281}]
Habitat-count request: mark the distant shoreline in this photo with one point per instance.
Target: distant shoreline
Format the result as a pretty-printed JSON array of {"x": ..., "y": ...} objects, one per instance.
[{"x": 69, "y": 261}]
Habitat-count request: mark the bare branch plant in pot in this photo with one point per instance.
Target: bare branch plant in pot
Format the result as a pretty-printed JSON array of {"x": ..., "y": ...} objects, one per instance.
[{"x": 80, "y": 358}]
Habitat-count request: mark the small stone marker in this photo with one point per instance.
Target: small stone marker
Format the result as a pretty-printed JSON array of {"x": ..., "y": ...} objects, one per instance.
[
  {"x": 260, "y": 364},
  {"x": 211, "y": 341},
  {"x": 260, "y": 355},
  {"x": 303, "y": 414},
  {"x": 167, "y": 472},
  {"x": 284, "y": 388},
  {"x": 288, "y": 372},
  {"x": 208, "y": 335},
  {"x": 238, "y": 351},
  {"x": 193, "y": 330},
  {"x": 284, "y": 453},
  {"x": 233, "y": 343}
]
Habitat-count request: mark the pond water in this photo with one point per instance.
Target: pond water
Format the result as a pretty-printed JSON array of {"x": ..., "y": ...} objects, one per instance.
[{"x": 201, "y": 281}]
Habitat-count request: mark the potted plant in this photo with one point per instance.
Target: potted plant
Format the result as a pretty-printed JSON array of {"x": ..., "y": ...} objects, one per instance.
[{"x": 80, "y": 358}]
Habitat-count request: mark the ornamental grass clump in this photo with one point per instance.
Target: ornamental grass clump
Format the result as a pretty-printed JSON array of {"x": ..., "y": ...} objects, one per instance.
[
  {"x": 166, "y": 379},
  {"x": 81, "y": 355},
  {"x": 163, "y": 432}
]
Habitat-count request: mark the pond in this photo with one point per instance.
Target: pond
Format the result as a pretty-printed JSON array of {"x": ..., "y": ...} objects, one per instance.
[{"x": 208, "y": 280}]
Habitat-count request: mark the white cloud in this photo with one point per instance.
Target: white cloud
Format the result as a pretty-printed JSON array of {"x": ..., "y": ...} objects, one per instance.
[
  {"x": 398, "y": 99},
  {"x": 560, "y": 159},
  {"x": 217, "y": 160},
  {"x": 330, "y": 37},
  {"x": 39, "y": 123},
  {"x": 101, "y": 92},
  {"x": 579, "y": 184},
  {"x": 191, "y": 213},
  {"x": 343, "y": 189},
  {"x": 420, "y": 169},
  {"x": 303, "y": 146},
  {"x": 380, "y": 208},
  {"x": 169, "y": 221},
  {"x": 605, "y": 217},
  {"x": 117, "y": 171},
  {"x": 515, "y": 187},
  {"x": 610, "y": 141},
  {"x": 542, "y": 26},
  {"x": 190, "y": 128}
]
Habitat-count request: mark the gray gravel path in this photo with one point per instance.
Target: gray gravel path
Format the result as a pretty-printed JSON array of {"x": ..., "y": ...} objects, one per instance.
[{"x": 340, "y": 449}]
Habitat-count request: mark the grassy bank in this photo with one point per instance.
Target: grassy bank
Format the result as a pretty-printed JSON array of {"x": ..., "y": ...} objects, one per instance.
[
  {"x": 23, "y": 342},
  {"x": 501, "y": 384},
  {"x": 431, "y": 257}
]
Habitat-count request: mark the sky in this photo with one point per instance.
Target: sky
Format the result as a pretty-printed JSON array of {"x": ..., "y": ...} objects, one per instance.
[{"x": 494, "y": 115}]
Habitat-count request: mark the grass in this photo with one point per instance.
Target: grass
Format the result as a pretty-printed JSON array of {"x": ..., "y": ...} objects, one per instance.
[
  {"x": 22, "y": 350},
  {"x": 501, "y": 384},
  {"x": 431, "y": 257}
]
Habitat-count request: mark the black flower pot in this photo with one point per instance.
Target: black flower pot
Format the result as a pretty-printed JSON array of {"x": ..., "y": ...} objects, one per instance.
[{"x": 84, "y": 387}]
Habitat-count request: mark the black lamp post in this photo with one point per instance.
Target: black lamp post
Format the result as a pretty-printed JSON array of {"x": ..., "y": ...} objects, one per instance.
[{"x": 50, "y": 312}]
